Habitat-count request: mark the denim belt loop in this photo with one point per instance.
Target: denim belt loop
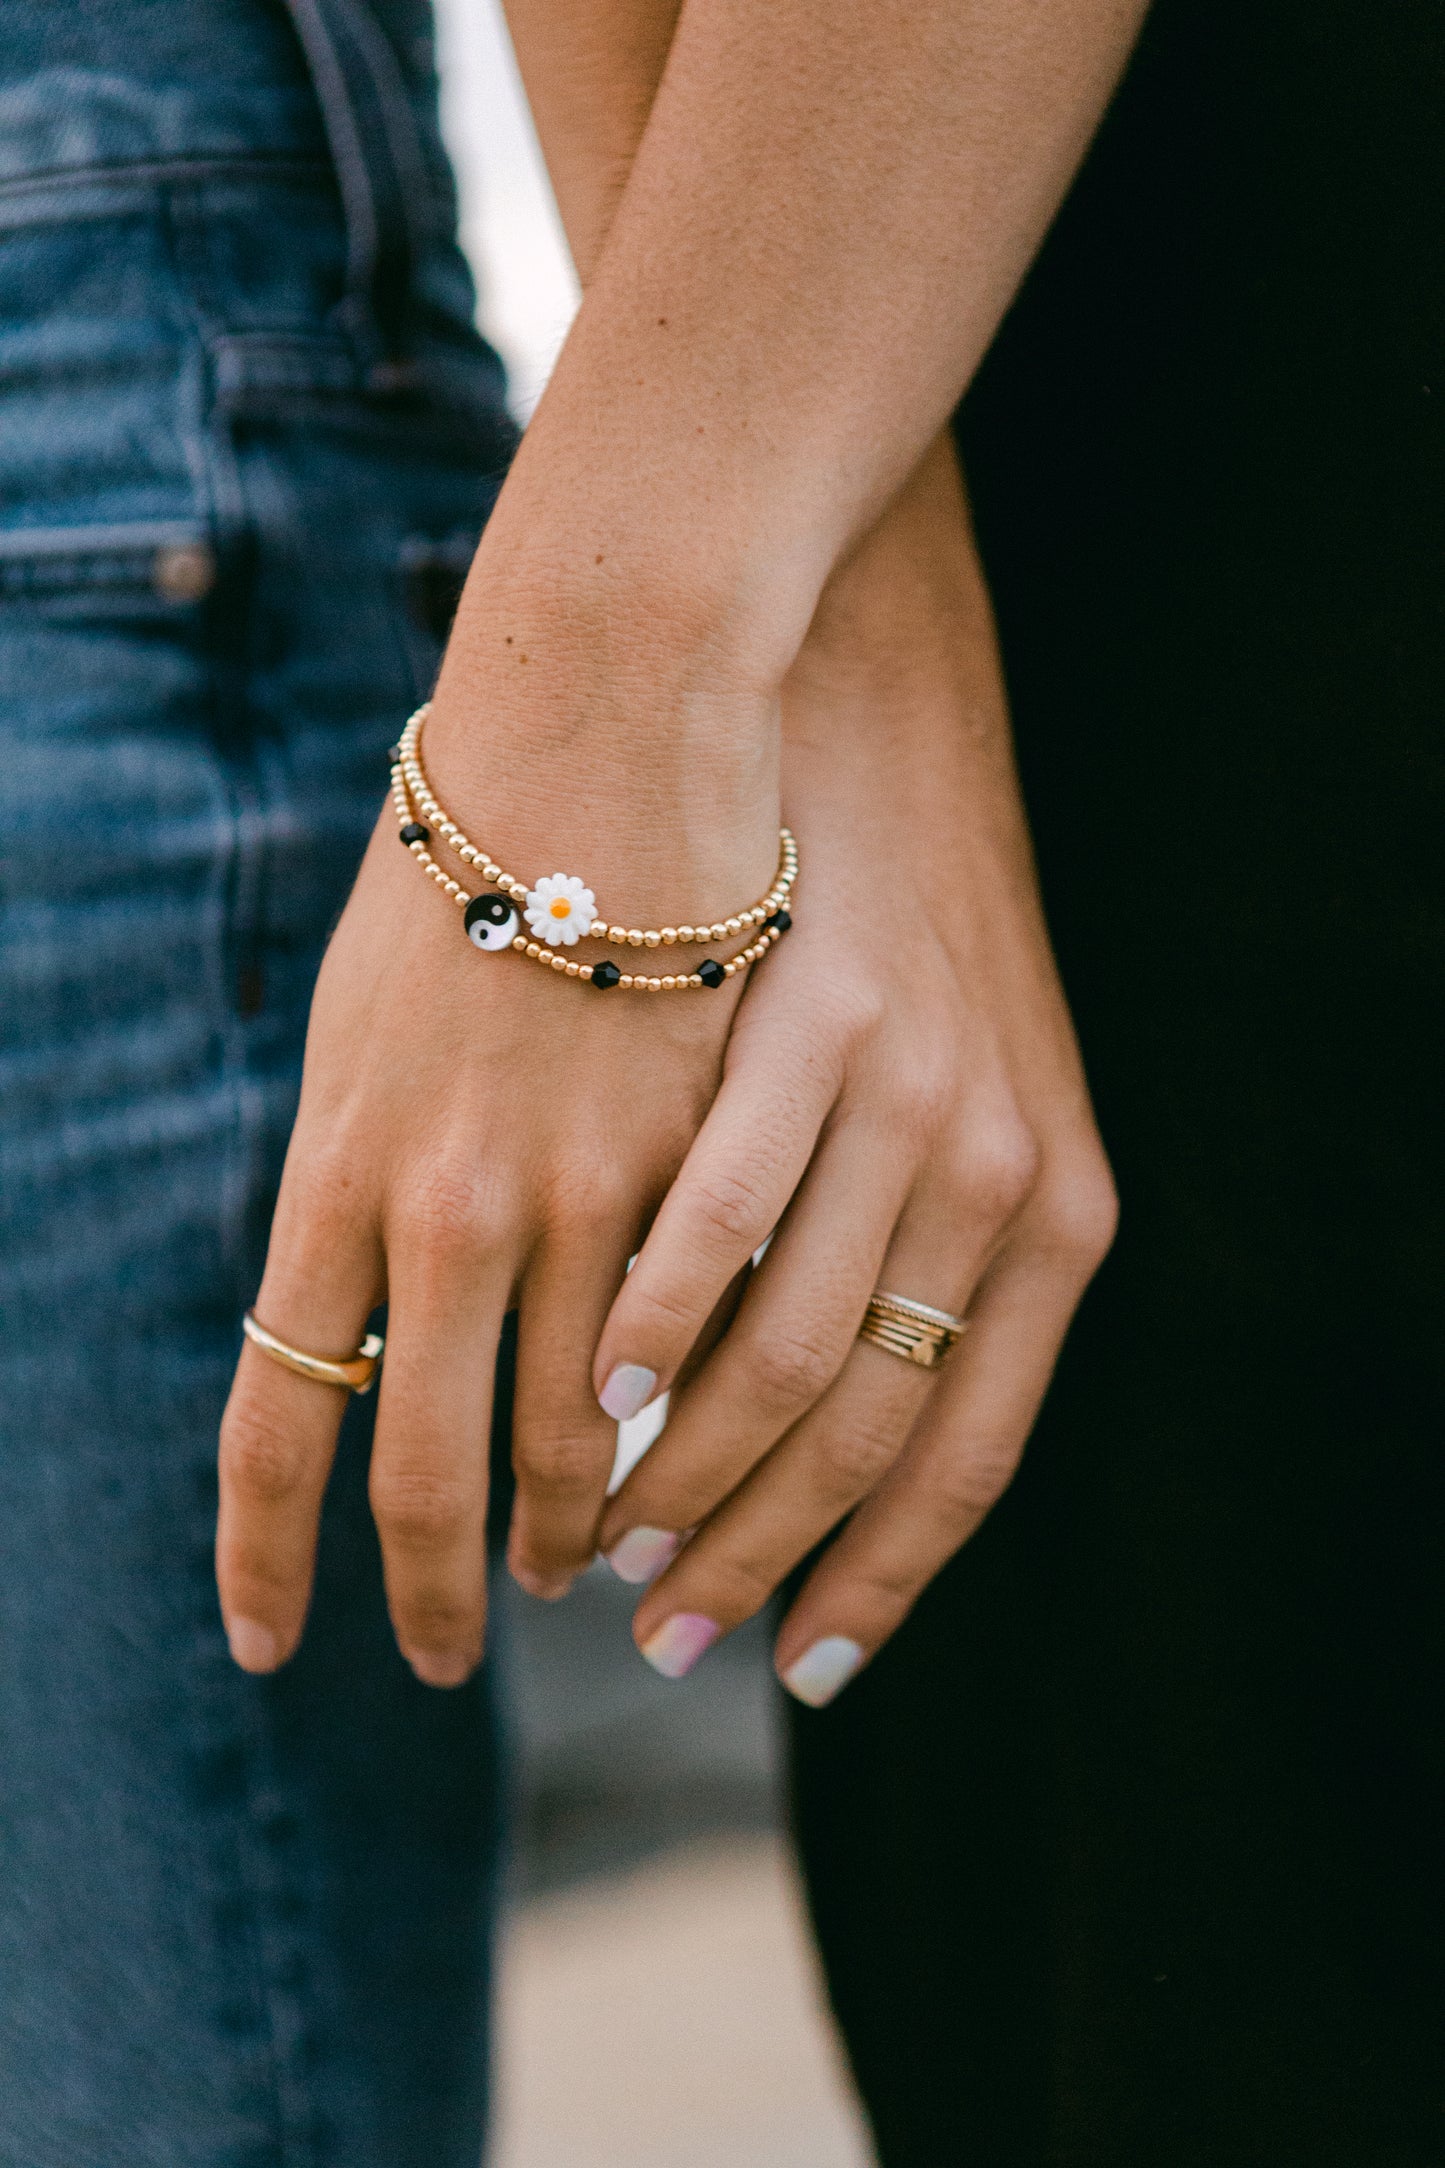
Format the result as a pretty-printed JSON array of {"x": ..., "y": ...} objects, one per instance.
[{"x": 387, "y": 192}]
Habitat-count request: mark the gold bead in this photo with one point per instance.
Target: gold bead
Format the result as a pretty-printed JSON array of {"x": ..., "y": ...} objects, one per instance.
[
  {"x": 490, "y": 873},
  {"x": 617, "y": 934},
  {"x": 685, "y": 934},
  {"x": 626, "y": 979},
  {"x": 694, "y": 980},
  {"x": 652, "y": 938},
  {"x": 669, "y": 936},
  {"x": 729, "y": 970},
  {"x": 717, "y": 931},
  {"x": 634, "y": 937},
  {"x": 558, "y": 963},
  {"x": 574, "y": 971},
  {"x": 584, "y": 971},
  {"x": 519, "y": 941},
  {"x": 668, "y": 984},
  {"x": 734, "y": 925},
  {"x": 532, "y": 949}
]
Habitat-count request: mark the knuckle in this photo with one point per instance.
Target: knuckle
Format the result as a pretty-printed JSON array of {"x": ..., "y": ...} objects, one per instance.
[
  {"x": 886, "y": 1587},
  {"x": 449, "y": 1211},
  {"x": 659, "y": 1313},
  {"x": 589, "y": 1196},
  {"x": 557, "y": 1465},
  {"x": 261, "y": 1458},
  {"x": 789, "y": 1370},
  {"x": 731, "y": 1209},
  {"x": 737, "y": 1586},
  {"x": 854, "y": 1456},
  {"x": 995, "y": 1170},
  {"x": 1077, "y": 1213},
  {"x": 415, "y": 1507},
  {"x": 964, "y": 1487},
  {"x": 433, "y": 1619},
  {"x": 321, "y": 1185}
]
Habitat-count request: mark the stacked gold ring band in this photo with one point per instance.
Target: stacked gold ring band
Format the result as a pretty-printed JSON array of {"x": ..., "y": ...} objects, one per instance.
[
  {"x": 914, "y": 1330},
  {"x": 356, "y": 1373}
]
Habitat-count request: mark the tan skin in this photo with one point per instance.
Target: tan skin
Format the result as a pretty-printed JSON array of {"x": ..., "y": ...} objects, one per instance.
[{"x": 473, "y": 1133}]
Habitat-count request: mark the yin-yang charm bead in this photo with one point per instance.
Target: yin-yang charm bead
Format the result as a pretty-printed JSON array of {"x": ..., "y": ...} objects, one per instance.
[{"x": 491, "y": 922}]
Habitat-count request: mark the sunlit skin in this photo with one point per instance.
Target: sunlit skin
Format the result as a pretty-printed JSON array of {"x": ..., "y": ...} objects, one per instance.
[{"x": 710, "y": 584}]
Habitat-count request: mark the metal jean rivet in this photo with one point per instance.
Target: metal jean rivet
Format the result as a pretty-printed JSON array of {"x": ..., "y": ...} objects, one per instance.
[{"x": 184, "y": 572}]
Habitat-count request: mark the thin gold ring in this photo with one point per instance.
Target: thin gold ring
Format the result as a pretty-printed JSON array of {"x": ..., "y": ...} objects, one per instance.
[
  {"x": 356, "y": 1373},
  {"x": 914, "y": 1330}
]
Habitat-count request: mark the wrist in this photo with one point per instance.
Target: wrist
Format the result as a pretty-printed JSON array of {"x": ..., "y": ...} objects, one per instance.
[{"x": 601, "y": 726}]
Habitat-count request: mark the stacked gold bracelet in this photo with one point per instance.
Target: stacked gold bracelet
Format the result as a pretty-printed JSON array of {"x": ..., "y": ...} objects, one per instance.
[{"x": 560, "y": 910}]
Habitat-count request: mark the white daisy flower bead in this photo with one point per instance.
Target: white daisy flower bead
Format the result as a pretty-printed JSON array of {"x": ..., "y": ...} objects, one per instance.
[{"x": 560, "y": 909}]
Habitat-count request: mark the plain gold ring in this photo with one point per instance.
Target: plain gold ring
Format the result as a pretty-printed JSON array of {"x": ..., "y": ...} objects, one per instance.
[
  {"x": 355, "y": 1373},
  {"x": 914, "y": 1330}
]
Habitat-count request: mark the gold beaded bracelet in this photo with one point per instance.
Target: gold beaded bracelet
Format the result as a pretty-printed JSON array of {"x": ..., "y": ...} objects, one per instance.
[{"x": 560, "y": 910}]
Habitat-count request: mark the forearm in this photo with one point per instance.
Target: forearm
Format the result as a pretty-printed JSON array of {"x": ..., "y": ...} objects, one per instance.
[{"x": 825, "y": 220}]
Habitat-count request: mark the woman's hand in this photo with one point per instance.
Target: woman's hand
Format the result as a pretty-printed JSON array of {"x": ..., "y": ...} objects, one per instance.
[
  {"x": 475, "y": 1133},
  {"x": 903, "y": 1103}
]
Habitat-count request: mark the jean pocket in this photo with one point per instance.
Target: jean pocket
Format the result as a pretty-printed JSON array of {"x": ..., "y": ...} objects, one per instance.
[{"x": 155, "y": 568}]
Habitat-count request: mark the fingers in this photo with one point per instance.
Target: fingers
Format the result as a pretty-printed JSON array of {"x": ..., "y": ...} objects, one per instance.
[
  {"x": 830, "y": 1459},
  {"x": 278, "y": 1434},
  {"x": 914, "y": 1506},
  {"x": 451, "y": 1275},
  {"x": 966, "y": 1444},
  {"x": 563, "y": 1444},
  {"x": 729, "y": 1195},
  {"x": 957, "y": 1464},
  {"x": 795, "y": 1329}
]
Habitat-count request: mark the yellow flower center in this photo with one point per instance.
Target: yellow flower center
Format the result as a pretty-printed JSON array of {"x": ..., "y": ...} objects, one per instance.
[{"x": 560, "y": 907}]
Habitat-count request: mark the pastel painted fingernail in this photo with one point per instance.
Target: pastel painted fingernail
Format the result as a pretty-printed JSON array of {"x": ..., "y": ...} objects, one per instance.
[
  {"x": 823, "y": 1670},
  {"x": 439, "y": 1667},
  {"x": 254, "y": 1647},
  {"x": 627, "y": 1391},
  {"x": 642, "y": 1553},
  {"x": 678, "y": 1643}
]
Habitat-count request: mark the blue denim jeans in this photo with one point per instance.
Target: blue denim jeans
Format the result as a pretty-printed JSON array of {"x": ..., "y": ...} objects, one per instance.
[{"x": 243, "y": 1923}]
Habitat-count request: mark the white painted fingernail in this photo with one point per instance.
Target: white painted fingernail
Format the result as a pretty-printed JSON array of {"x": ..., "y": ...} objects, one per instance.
[
  {"x": 642, "y": 1553},
  {"x": 254, "y": 1647},
  {"x": 627, "y": 1391},
  {"x": 823, "y": 1670},
  {"x": 678, "y": 1643}
]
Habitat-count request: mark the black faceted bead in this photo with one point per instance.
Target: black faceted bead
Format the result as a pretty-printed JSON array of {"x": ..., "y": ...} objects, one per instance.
[
  {"x": 711, "y": 973},
  {"x": 781, "y": 919},
  {"x": 605, "y": 974},
  {"x": 415, "y": 833}
]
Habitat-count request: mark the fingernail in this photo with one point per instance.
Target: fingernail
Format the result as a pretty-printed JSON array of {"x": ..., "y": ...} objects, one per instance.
[
  {"x": 678, "y": 1643},
  {"x": 546, "y": 1587},
  {"x": 254, "y": 1647},
  {"x": 627, "y": 1391},
  {"x": 642, "y": 1553},
  {"x": 823, "y": 1670},
  {"x": 439, "y": 1667}
]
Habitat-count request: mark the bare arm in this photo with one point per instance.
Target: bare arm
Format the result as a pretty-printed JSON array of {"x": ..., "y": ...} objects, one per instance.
[
  {"x": 897, "y": 755},
  {"x": 830, "y": 208},
  {"x": 828, "y": 211}
]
